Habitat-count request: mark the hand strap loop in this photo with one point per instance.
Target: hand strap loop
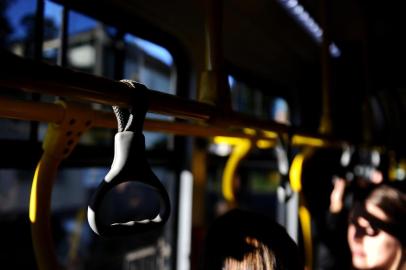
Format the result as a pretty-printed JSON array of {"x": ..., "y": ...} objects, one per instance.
[{"x": 130, "y": 165}]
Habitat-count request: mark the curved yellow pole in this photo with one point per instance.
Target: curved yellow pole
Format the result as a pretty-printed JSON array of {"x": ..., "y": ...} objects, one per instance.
[
  {"x": 39, "y": 213},
  {"x": 306, "y": 221},
  {"x": 295, "y": 172},
  {"x": 295, "y": 177},
  {"x": 76, "y": 234},
  {"x": 240, "y": 150},
  {"x": 60, "y": 140}
]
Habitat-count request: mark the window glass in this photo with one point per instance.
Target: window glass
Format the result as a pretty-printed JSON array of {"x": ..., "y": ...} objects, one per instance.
[
  {"x": 76, "y": 246},
  {"x": 14, "y": 187},
  {"x": 247, "y": 99},
  {"x": 280, "y": 111},
  {"x": 257, "y": 102},
  {"x": 93, "y": 48},
  {"x": 254, "y": 186},
  {"x": 151, "y": 65},
  {"x": 80, "y": 23},
  {"x": 85, "y": 43},
  {"x": 14, "y": 129},
  {"x": 17, "y": 28},
  {"x": 52, "y": 31},
  {"x": 10, "y": 128}
]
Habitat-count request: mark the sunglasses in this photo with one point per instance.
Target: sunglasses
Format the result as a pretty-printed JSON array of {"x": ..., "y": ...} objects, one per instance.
[{"x": 374, "y": 226}]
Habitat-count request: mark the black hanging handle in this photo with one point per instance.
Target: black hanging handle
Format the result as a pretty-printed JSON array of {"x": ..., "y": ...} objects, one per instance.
[{"x": 129, "y": 165}]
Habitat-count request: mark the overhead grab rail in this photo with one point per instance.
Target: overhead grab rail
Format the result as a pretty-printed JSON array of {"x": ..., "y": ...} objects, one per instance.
[
  {"x": 54, "y": 113},
  {"x": 36, "y": 77}
]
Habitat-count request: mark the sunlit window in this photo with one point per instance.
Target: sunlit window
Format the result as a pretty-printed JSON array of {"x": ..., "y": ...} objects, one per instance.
[
  {"x": 258, "y": 102},
  {"x": 52, "y": 31},
  {"x": 247, "y": 99},
  {"x": 96, "y": 48},
  {"x": 151, "y": 65},
  {"x": 19, "y": 26},
  {"x": 280, "y": 111}
]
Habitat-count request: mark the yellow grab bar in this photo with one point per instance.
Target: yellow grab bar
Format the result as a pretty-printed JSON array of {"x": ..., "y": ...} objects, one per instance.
[
  {"x": 59, "y": 142},
  {"x": 239, "y": 152}
]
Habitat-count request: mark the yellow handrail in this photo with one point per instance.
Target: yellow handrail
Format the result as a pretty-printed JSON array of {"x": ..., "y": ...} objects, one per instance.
[
  {"x": 60, "y": 140},
  {"x": 240, "y": 149},
  {"x": 49, "y": 112}
]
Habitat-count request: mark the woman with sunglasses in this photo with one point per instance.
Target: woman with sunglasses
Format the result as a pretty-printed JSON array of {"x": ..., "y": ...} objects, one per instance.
[{"x": 377, "y": 231}]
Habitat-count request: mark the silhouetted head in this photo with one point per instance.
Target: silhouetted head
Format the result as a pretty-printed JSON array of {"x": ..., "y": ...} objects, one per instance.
[{"x": 242, "y": 240}]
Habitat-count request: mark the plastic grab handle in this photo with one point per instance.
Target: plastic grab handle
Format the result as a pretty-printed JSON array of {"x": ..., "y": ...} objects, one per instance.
[{"x": 129, "y": 165}]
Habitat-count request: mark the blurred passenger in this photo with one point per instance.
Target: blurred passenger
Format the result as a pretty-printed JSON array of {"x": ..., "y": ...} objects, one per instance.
[
  {"x": 376, "y": 234},
  {"x": 242, "y": 240},
  {"x": 336, "y": 254}
]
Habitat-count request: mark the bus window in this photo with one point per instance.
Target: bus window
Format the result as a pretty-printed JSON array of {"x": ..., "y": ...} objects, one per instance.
[
  {"x": 280, "y": 111},
  {"x": 247, "y": 99},
  {"x": 96, "y": 48},
  {"x": 255, "y": 183},
  {"x": 17, "y": 36},
  {"x": 151, "y": 64},
  {"x": 258, "y": 101},
  {"x": 87, "y": 43},
  {"x": 19, "y": 24},
  {"x": 52, "y": 32}
]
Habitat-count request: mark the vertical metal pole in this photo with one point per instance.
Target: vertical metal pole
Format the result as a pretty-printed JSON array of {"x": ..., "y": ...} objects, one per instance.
[
  {"x": 292, "y": 222},
  {"x": 199, "y": 171},
  {"x": 325, "y": 121},
  {"x": 119, "y": 55},
  {"x": 213, "y": 86},
  {"x": 38, "y": 48},
  {"x": 281, "y": 206},
  {"x": 63, "y": 50},
  {"x": 184, "y": 221},
  {"x": 39, "y": 30},
  {"x": 99, "y": 50}
]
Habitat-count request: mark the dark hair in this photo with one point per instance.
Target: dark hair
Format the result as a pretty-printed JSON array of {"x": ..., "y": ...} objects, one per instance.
[
  {"x": 392, "y": 201},
  {"x": 239, "y": 238}
]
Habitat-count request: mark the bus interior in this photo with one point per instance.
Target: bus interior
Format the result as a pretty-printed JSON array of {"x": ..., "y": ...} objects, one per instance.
[{"x": 249, "y": 104}]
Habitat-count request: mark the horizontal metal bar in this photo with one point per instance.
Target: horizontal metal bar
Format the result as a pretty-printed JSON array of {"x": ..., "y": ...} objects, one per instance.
[
  {"x": 32, "y": 76},
  {"x": 49, "y": 112}
]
